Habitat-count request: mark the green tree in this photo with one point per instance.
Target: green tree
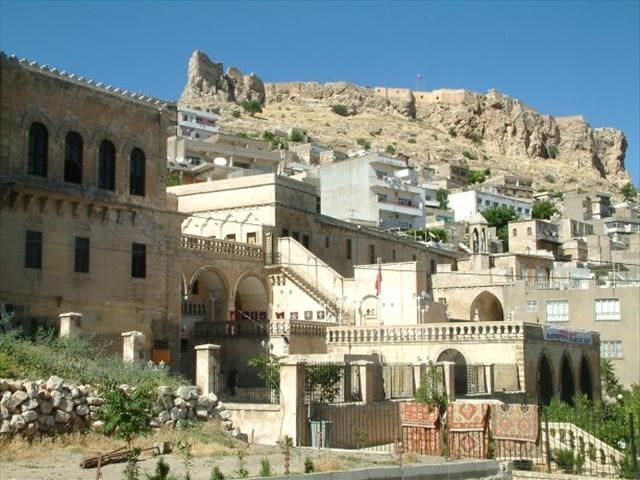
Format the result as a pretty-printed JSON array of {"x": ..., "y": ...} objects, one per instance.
[
  {"x": 296, "y": 135},
  {"x": 340, "y": 109},
  {"x": 629, "y": 191},
  {"x": 251, "y": 107},
  {"x": 364, "y": 143},
  {"x": 390, "y": 149},
  {"x": 442, "y": 196},
  {"x": 499, "y": 217},
  {"x": 126, "y": 415},
  {"x": 268, "y": 367},
  {"x": 478, "y": 176},
  {"x": 543, "y": 209},
  {"x": 174, "y": 178}
]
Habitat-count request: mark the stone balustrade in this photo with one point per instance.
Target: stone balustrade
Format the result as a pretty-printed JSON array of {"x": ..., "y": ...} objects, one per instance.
[
  {"x": 222, "y": 247},
  {"x": 298, "y": 327},
  {"x": 259, "y": 328},
  {"x": 483, "y": 331}
]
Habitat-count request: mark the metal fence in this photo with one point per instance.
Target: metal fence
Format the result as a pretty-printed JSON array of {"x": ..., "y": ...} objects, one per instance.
[
  {"x": 398, "y": 380},
  {"x": 332, "y": 383},
  {"x": 246, "y": 385}
]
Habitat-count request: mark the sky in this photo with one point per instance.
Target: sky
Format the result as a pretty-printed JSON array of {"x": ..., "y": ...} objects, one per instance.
[{"x": 561, "y": 58}]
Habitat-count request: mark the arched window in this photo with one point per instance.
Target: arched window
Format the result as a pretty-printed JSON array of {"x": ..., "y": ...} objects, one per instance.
[
  {"x": 107, "y": 166},
  {"x": 73, "y": 158},
  {"x": 136, "y": 172},
  {"x": 38, "y": 150}
]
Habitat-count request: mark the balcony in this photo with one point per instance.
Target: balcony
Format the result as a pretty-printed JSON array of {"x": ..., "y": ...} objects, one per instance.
[
  {"x": 222, "y": 247},
  {"x": 198, "y": 126},
  {"x": 389, "y": 182},
  {"x": 395, "y": 207}
]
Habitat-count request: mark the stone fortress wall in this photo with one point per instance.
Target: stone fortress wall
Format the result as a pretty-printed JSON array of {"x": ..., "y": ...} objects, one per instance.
[{"x": 441, "y": 95}]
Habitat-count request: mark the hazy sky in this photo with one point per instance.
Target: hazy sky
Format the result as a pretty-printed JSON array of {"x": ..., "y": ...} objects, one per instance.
[{"x": 562, "y": 58}]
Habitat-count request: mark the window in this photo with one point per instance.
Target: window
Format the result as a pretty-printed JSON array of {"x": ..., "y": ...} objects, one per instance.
[
  {"x": 514, "y": 233},
  {"x": 348, "y": 249},
  {"x": 557, "y": 310},
  {"x": 528, "y": 231},
  {"x": 33, "y": 250},
  {"x": 73, "y": 158},
  {"x": 38, "y": 150},
  {"x": 393, "y": 254},
  {"x": 81, "y": 264},
  {"x": 285, "y": 232},
  {"x": 251, "y": 238},
  {"x": 305, "y": 241},
  {"x": 432, "y": 265},
  {"x": 231, "y": 237},
  {"x": 607, "y": 309},
  {"x": 195, "y": 288},
  {"x": 372, "y": 254},
  {"x": 611, "y": 349},
  {"x": 524, "y": 272},
  {"x": 107, "y": 166},
  {"x": 139, "y": 260},
  {"x": 136, "y": 172},
  {"x": 296, "y": 236},
  {"x": 326, "y": 242},
  {"x": 532, "y": 305}
]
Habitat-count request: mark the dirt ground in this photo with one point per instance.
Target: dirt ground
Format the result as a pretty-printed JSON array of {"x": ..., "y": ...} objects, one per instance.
[{"x": 58, "y": 459}]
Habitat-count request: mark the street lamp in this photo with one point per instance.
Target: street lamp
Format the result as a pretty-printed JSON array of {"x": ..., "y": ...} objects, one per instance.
[{"x": 421, "y": 297}]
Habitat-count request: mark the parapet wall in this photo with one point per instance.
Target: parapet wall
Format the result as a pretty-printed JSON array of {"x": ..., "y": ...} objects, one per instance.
[{"x": 442, "y": 95}]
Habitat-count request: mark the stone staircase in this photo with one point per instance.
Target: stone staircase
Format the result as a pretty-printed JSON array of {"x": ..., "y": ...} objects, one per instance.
[{"x": 317, "y": 294}]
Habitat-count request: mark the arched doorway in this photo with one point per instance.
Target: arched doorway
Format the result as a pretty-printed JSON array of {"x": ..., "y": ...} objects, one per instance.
[
  {"x": 586, "y": 383},
  {"x": 208, "y": 295},
  {"x": 567, "y": 385},
  {"x": 486, "y": 308},
  {"x": 251, "y": 299},
  {"x": 460, "y": 371},
  {"x": 545, "y": 381}
]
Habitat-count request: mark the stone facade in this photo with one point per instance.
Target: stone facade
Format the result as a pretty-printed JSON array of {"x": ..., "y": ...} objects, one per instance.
[{"x": 67, "y": 241}]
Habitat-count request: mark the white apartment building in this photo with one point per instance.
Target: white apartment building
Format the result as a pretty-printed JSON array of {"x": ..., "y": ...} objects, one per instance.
[
  {"x": 196, "y": 124},
  {"x": 467, "y": 203},
  {"x": 373, "y": 189}
]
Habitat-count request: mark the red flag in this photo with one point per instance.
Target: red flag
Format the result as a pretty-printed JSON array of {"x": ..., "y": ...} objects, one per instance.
[{"x": 379, "y": 280}]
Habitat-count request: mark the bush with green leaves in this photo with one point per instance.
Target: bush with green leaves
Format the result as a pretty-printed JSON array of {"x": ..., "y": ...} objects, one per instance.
[
  {"x": 411, "y": 140},
  {"x": 268, "y": 368},
  {"x": 452, "y": 132},
  {"x": 340, "y": 109},
  {"x": 431, "y": 390},
  {"x": 442, "y": 196},
  {"x": 161, "y": 472},
  {"x": 251, "y": 107},
  {"x": 131, "y": 469},
  {"x": 478, "y": 176},
  {"x": 309, "y": 466},
  {"x": 475, "y": 137},
  {"x": 296, "y": 135},
  {"x": 500, "y": 217},
  {"x": 543, "y": 209},
  {"x": 216, "y": 474},
  {"x": 76, "y": 360},
  {"x": 174, "y": 178},
  {"x": 629, "y": 191},
  {"x": 265, "y": 468},
  {"x": 390, "y": 149},
  {"x": 324, "y": 381},
  {"x": 125, "y": 415},
  {"x": 236, "y": 113},
  {"x": 364, "y": 143},
  {"x": 469, "y": 155},
  {"x": 552, "y": 150},
  {"x": 241, "y": 463}
]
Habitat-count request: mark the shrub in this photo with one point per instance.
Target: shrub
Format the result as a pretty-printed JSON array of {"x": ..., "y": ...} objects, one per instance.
[
  {"x": 265, "y": 468},
  {"x": 543, "y": 210},
  {"x": 629, "y": 191},
  {"x": 125, "y": 415},
  {"x": 411, "y": 140},
  {"x": 324, "y": 380},
  {"x": 268, "y": 136},
  {"x": 442, "y": 196},
  {"x": 469, "y": 155},
  {"x": 296, "y": 135},
  {"x": 340, "y": 109},
  {"x": 474, "y": 137},
  {"x": 552, "y": 150},
  {"x": 390, "y": 149},
  {"x": 241, "y": 463},
  {"x": 452, "y": 132},
  {"x": 268, "y": 369},
  {"x": 236, "y": 113},
  {"x": 251, "y": 107},
  {"x": 309, "y": 467},
  {"x": 364, "y": 143},
  {"x": 131, "y": 470},
  {"x": 216, "y": 474},
  {"x": 431, "y": 390},
  {"x": 161, "y": 472},
  {"x": 478, "y": 176},
  {"x": 174, "y": 179}
]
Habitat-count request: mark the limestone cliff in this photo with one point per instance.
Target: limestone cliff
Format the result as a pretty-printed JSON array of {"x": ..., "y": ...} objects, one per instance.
[{"x": 490, "y": 130}]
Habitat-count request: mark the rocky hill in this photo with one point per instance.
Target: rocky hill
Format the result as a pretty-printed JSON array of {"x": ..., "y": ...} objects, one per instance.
[{"x": 488, "y": 130}]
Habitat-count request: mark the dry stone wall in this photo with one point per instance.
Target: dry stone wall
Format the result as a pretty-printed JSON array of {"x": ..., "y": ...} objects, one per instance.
[{"x": 52, "y": 407}]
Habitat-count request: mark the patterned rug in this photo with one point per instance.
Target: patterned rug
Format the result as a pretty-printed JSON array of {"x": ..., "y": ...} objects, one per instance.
[
  {"x": 470, "y": 444},
  {"x": 467, "y": 416},
  {"x": 419, "y": 415},
  {"x": 422, "y": 440},
  {"x": 515, "y": 422}
]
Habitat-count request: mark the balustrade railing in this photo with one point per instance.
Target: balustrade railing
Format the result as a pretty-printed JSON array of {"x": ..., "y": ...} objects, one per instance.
[
  {"x": 195, "y": 308},
  {"x": 253, "y": 328},
  {"x": 428, "y": 332},
  {"x": 222, "y": 247}
]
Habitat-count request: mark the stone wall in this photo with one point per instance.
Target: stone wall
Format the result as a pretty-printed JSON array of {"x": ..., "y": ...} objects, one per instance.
[{"x": 52, "y": 407}]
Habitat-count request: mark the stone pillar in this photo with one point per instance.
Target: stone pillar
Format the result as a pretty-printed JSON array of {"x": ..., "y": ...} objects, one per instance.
[
  {"x": 294, "y": 422},
  {"x": 70, "y": 324},
  {"x": 367, "y": 384},
  {"x": 488, "y": 376},
  {"x": 207, "y": 368},
  {"x": 449, "y": 379},
  {"x": 419, "y": 371},
  {"x": 132, "y": 343}
]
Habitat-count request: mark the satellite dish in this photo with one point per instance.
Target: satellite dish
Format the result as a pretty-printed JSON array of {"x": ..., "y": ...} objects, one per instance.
[{"x": 220, "y": 161}]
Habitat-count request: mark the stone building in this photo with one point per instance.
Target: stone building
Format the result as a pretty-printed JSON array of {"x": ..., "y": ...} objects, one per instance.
[{"x": 86, "y": 224}]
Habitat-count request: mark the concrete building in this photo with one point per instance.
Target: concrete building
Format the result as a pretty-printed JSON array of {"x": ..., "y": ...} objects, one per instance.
[
  {"x": 373, "y": 189},
  {"x": 455, "y": 175},
  {"x": 512, "y": 186},
  {"x": 85, "y": 222},
  {"x": 196, "y": 124},
  {"x": 466, "y": 203},
  {"x": 534, "y": 235}
]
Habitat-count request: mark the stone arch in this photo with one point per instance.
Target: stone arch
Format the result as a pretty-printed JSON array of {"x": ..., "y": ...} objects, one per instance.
[
  {"x": 251, "y": 296},
  {"x": 368, "y": 309},
  {"x": 567, "y": 383},
  {"x": 488, "y": 308},
  {"x": 183, "y": 286},
  {"x": 209, "y": 287},
  {"x": 545, "y": 380},
  {"x": 36, "y": 115},
  {"x": 586, "y": 378},
  {"x": 74, "y": 125},
  {"x": 475, "y": 241},
  {"x": 460, "y": 370}
]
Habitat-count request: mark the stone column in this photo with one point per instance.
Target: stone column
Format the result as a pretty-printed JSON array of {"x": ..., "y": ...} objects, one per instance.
[
  {"x": 294, "y": 422},
  {"x": 449, "y": 379},
  {"x": 419, "y": 371},
  {"x": 70, "y": 324},
  {"x": 367, "y": 386},
  {"x": 207, "y": 368},
  {"x": 132, "y": 343},
  {"x": 488, "y": 376}
]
